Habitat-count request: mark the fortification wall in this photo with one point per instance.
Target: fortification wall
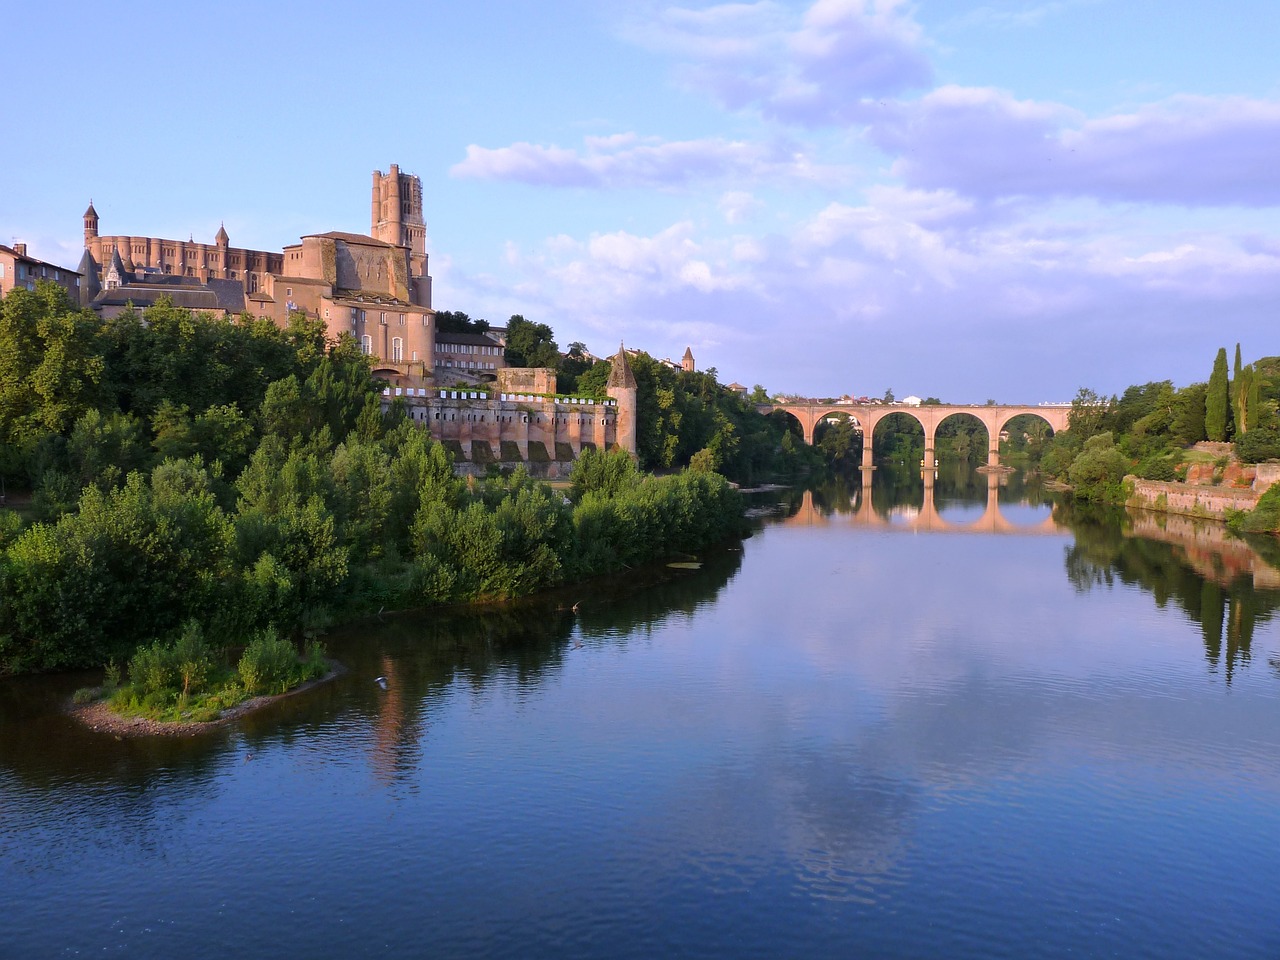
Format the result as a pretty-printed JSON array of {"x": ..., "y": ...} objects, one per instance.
[{"x": 510, "y": 428}]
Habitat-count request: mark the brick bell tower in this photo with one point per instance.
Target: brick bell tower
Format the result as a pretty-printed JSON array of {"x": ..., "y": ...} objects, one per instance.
[{"x": 397, "y": 215}]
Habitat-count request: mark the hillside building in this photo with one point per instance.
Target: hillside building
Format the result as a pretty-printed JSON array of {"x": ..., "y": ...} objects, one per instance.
[
  {"x": 375, "y": 287},
  {"x": 19, "y": 270}
]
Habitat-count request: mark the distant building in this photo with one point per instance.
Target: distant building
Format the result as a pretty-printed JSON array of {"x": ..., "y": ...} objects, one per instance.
[
  {"x": 476, "y": 355},
  {"x": 911, "y": 401},
  {"x": 686, "y": 362},
  {"x": 19, "y": 270}
]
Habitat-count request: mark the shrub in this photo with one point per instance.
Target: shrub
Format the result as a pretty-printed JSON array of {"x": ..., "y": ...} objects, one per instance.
[
  {"x": 1259, "y": 444},
  {"x": 268, "y": 662},
  {"x": 1157, "y": 467},
  {"x": 152, "y": 669},
  {"x": 1097, "y": 473},
  {"x": 192, "y": 659},
  {"x": 1265, "y": 516}
]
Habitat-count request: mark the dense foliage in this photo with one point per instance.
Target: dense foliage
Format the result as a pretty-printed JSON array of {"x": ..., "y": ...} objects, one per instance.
[
  {"x": 1147, "y": 430},
  {"x": 686, "y": 414},
  {"x": 231, "y": 474}
]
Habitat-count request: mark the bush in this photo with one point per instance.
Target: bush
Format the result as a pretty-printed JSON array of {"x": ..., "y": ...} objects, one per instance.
[
  {"x": 268, "y": 662},
  {"x": 1157, "y": 467},
  {"x": 1259, "y": 444},
  {"x": 1263, "y": 518},
  {"x": 1098, "y": 472},
  {"x": 152, "y": 669}
]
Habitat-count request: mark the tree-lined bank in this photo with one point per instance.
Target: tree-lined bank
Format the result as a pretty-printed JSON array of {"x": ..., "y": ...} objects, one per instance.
[{"x": 228, "y": 473}]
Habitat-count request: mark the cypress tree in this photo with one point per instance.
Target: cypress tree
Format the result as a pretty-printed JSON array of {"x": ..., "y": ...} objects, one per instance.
[
  {"x": 1216, "y": 400},
  {"x": 1243, "y": 389},
  {"x": 1237, "y": 394},
  {"x": 1254, "y": 403}
]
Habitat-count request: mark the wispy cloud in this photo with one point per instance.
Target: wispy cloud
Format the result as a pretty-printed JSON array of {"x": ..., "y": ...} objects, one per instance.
[
  {"x": 1187, "y": 150},
  {"x": 811, "y": 70},
  {"x": 910, "y": 271},
  {"x": 628, "y": 160}
]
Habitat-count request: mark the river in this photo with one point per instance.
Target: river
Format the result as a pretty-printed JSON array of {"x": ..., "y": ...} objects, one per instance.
[{"x": 953, "y": 719}]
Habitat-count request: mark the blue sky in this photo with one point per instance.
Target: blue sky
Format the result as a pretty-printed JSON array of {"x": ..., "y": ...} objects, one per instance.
[{"x": 1003, "y": 200}]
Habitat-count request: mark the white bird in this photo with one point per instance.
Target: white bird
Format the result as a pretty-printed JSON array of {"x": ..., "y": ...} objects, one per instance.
[{"x": 382, "y": 682}]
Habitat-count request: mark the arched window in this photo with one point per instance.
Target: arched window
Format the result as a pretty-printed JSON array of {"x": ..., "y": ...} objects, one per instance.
[
  {"x": 366, "y": 345},
  {"x": 397, "y": 349}
]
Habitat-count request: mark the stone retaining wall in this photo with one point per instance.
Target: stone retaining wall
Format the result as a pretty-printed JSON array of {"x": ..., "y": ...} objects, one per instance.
[{"x": 1191, "y": 500}]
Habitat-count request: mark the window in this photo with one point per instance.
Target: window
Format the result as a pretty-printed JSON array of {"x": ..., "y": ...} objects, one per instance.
[
  {"x": 363, "y": 316},
  {"x": 382, "y": 319},
  {"x": 366, "y": 345},
  {"x": 397, "y": 349},
  {"x": 402, "y": 319},
  {"x": 288, "y": 291},
  {"x": 1, "y": 271}
]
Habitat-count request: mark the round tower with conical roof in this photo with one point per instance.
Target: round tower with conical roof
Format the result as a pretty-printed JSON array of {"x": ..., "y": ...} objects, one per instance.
[{"x": 621, "y": 386}]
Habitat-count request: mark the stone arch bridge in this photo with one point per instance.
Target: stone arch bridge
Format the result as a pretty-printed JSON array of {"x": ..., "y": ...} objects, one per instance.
[{"x": 994, "y": 417}]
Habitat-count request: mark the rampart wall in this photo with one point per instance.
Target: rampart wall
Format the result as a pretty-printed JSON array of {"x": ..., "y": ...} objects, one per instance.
[{"x": 510, "y": 428}]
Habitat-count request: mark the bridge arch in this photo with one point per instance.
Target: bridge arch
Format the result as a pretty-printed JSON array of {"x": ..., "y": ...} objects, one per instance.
[{"x": 993, "y": 417}]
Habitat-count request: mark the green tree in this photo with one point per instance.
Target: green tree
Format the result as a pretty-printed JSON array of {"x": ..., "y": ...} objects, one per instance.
[
  {"x": 50, "y": 363},
  {"x": 530, "y": 344},
  {"x": 1217, "y": 400},
  {"x": 1096, "y": 474},
  {"x": 455, "y": 321}
]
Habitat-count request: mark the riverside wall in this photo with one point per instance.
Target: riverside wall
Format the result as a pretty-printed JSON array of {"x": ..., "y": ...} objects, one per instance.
[
  {"x": 1243, "y": 488},
  {"x": 543, "y": 434}
]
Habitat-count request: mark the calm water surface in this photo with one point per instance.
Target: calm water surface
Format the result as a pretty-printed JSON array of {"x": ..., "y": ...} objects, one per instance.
[{"x": 912, "y": 721}]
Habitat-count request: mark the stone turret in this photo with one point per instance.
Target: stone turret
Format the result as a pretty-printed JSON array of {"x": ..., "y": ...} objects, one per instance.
[
  {"x": 686, "y": 362},
  {"x": 222, "y": 239},
  {"x": 621, "y": 386}
]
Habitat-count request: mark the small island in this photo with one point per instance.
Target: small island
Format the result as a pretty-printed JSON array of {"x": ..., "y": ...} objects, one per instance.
[{"x": 188, "y": 687}]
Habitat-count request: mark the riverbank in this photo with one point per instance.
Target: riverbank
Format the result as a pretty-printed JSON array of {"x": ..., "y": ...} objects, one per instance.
[{"x": 100, "y": 717}]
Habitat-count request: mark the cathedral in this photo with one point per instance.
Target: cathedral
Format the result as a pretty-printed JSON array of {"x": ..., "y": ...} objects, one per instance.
[{"x": 375, "y": 287}]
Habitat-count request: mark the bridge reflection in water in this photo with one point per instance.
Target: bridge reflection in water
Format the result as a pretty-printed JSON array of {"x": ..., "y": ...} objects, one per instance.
[{"x": 924, "y": 518}]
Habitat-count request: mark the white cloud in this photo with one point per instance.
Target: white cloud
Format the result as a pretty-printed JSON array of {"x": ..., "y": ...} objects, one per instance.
[
  {"x": 627, "y": 160},
  {"x": 903, "y": 290},
  {"x": 813, "y": 70},
  {"x": 984, "y": 143},
  {"x": 738, "y": 206}
]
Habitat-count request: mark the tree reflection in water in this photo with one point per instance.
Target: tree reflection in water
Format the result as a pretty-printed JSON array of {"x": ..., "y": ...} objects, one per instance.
[{"x": 1227, "y": 585}]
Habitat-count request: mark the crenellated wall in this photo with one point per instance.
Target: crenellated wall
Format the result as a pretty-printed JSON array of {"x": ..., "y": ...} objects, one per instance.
[{"x": 551, "y": 426}]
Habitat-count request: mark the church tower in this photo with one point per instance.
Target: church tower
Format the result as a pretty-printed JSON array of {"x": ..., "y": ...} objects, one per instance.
[
  {"x": 90, "y": 225},
  {"x": 686, "y": 362},
  {"x": 397, "y": 215}
]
